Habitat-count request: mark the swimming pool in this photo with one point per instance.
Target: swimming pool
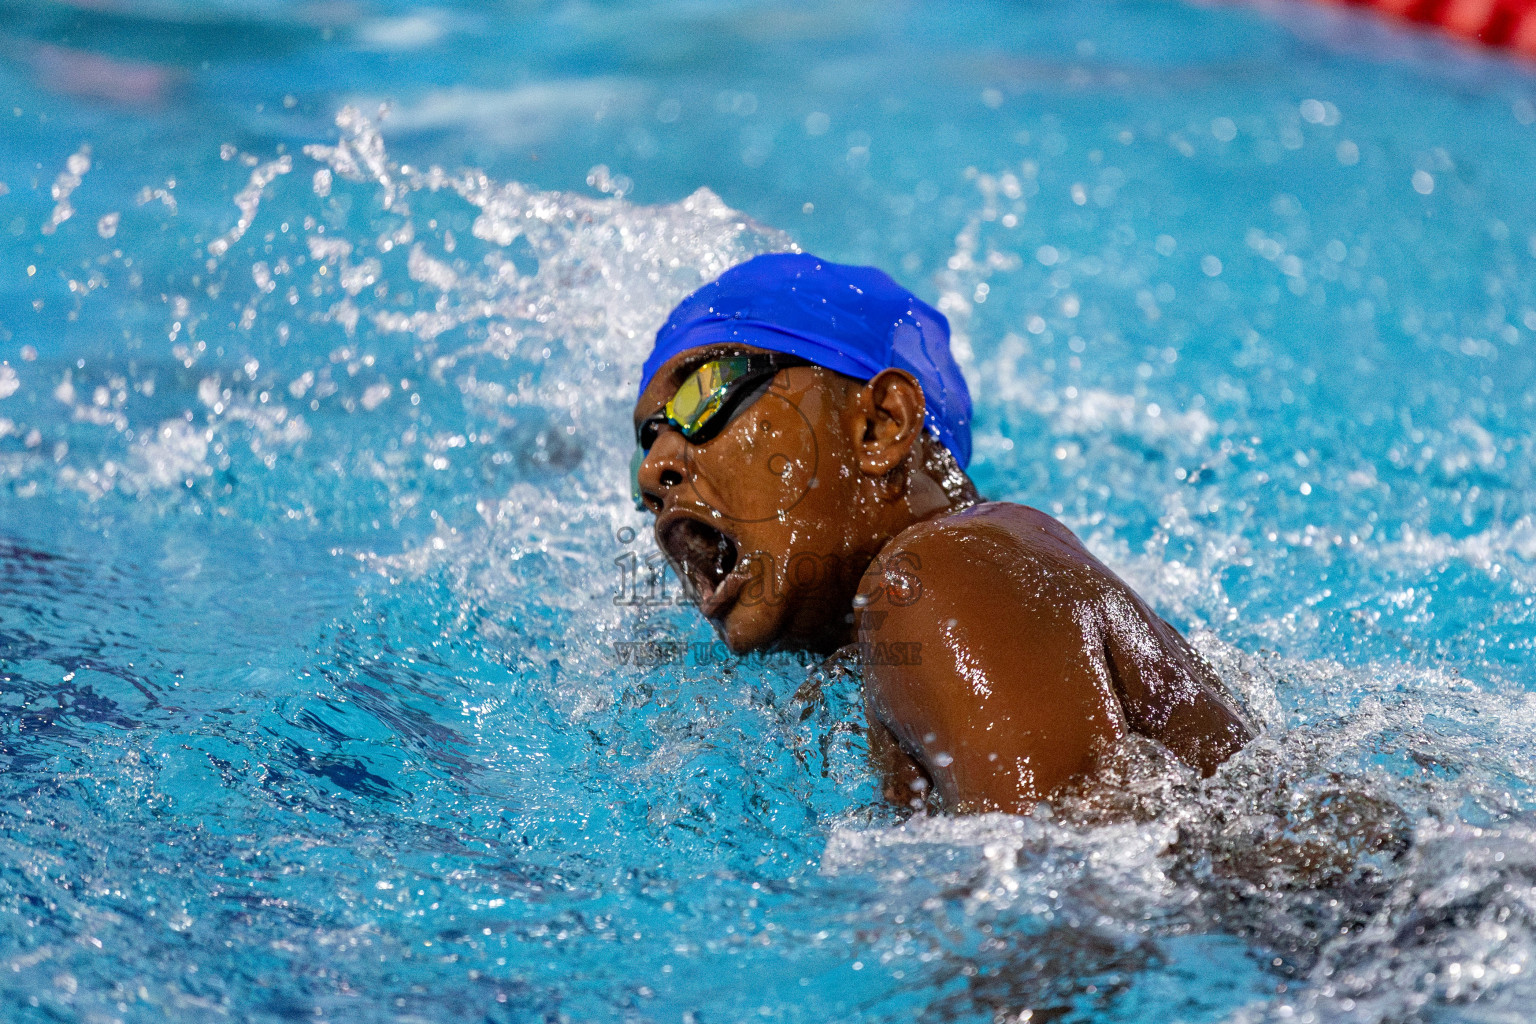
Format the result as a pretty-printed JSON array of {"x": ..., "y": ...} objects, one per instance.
[{"x": 338, "y": 682}]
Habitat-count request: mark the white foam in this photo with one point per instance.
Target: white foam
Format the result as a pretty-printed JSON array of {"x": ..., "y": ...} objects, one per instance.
[
  {"x": 248, "y": 200},
  {"x": 523, "y": 116},
  {"x": 69, "y": 179}
]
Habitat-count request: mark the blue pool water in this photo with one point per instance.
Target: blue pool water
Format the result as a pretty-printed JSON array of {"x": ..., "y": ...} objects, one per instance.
[{"x": 329, "y": 639}]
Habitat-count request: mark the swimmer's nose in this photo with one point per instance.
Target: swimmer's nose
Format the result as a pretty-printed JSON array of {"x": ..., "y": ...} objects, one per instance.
[{"x": 663, "y": 469}]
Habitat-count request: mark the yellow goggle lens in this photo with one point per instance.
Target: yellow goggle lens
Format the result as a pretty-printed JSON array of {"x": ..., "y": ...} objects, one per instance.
[{"x": 701, "y": 395}]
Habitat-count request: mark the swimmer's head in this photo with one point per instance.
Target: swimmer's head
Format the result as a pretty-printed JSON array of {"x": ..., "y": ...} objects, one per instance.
[{"x": 794, "y": 416}]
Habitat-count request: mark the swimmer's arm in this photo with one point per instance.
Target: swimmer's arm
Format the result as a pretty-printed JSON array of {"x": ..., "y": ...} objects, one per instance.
[
  {"x": 982, "y": 676},
  {"x": 902, "y": 781},
  {"x": 1166, "y": 689},
  {"x": 1172, "y": 693}
]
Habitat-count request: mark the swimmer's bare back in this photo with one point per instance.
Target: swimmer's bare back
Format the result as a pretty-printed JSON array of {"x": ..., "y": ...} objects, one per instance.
[{"x": 1001, "y": 660}]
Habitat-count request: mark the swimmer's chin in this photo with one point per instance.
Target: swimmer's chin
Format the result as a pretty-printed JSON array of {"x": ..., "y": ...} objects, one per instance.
[
  {"x": 746, "y": 624},
  {"x": 746, "y": 628}
]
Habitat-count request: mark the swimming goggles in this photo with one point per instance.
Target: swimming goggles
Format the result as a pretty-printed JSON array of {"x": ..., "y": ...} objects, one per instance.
[{"x": 706, "y": 403}]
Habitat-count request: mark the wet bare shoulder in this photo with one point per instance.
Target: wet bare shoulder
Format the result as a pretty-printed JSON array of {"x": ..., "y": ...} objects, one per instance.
[
  {"x": 995, "y": 532},
  {"x": 975, "y": 657},
  {"x": 1016, "y": 642}
]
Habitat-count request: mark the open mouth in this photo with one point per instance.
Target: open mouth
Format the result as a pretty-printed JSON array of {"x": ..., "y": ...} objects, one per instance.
[{"x": 703, "y": 556}]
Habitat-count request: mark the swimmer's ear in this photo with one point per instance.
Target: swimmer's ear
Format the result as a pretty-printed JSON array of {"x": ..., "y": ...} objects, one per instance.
[{"x": 885, "y": 419}]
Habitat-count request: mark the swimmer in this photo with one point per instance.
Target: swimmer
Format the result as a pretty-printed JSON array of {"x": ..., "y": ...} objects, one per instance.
[{"x": 803, "y": 432}]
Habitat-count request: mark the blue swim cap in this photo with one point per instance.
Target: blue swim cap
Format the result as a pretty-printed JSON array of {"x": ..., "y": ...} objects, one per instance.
[{"x": 854, "y": 320}]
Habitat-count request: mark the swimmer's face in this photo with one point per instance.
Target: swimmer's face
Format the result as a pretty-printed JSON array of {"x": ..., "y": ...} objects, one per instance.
[{"x": 764, "y": 522}]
